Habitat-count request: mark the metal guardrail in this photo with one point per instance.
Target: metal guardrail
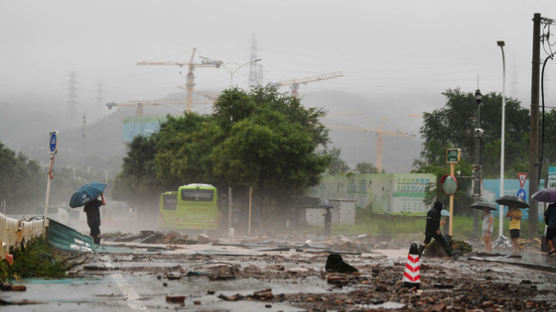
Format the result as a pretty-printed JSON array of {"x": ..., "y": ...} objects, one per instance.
[{"x": 14, "y": 233}]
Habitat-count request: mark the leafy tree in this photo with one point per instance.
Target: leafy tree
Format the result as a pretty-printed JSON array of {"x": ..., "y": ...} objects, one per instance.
[
  {"x": 452, "y": 126},
  {"x": 366, "y": 167},
  {"x": 337, "y": 165},
  {"x": 20, "y": 178},
  {"x": 260, "y": 138}
]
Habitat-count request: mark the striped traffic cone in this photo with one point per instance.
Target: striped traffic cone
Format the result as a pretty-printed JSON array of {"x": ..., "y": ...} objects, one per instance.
[{"x": 411, "y": 275}]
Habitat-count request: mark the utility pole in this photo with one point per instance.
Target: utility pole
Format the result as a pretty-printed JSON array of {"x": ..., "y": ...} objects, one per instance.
[
  {"x": 478, "y": 133},
  {"x": 534, "y": 126}
]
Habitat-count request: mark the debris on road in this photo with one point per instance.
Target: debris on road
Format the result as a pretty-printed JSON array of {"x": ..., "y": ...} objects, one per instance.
[
  {"x": 11, "y": 287},
  {"x": 175, "y": 299},
  {"x": 335, "y": 263}
]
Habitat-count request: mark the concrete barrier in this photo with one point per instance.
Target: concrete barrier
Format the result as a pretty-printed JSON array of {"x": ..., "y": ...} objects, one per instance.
[{"x": 14, "y": 233}]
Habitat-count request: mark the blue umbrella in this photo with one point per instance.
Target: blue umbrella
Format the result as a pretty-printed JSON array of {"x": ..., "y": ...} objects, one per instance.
[{"x": 86, "y": 193}]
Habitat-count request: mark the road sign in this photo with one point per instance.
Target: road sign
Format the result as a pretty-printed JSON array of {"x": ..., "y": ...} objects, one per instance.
[
  {"x": 522, "y": 178},
  {"x": 521, "y": 194},
  {"x": 53, "y": 142},
  {"x": 453, "y": 155},
  {"x": 449, "y": 184},
  {"x": 552, "y": 176}
]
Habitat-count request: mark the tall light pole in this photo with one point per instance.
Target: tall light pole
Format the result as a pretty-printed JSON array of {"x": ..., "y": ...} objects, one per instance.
[
  {"x": 478, "y": 133},
  {"x": 502, "y": 134}
]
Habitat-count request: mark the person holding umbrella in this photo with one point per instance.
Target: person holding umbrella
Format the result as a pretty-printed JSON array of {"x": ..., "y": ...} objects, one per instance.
[
  {"x": 550, "y": 221},
  {"x": 514, "y": 204},
  {"x": 93, "y": 216},
  {"x": 487, "y": 221},
  {"x": 515, "y": 226},
  {"x": 87, "y": 195},
  {"x": 548, "y": 195}
]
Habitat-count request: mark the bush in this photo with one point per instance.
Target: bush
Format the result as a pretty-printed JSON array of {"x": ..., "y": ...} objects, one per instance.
[{"x": 37, "y": 259}]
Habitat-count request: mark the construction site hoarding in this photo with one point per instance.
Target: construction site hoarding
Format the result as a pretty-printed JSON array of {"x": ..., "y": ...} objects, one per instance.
[{"x": 381, "y": 193}]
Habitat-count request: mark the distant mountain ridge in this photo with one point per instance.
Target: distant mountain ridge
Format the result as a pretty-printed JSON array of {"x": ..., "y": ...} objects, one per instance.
[{"x": 25, "y": 128}]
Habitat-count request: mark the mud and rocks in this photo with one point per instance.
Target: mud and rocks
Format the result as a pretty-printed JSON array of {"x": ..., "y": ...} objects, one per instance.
[
  {"x": 446, "y": 284},
  {"x": 276, "y": 272}
]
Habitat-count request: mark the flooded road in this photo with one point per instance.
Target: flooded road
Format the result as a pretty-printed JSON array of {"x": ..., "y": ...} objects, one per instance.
[{"x": 235, "y": 275}]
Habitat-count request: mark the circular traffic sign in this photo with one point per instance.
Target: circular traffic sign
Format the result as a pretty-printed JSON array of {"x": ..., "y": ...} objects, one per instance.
[
  {"x": 53, "y": 142},
  {"x": 449, "y": 184},
  {"x": 521, "y": 194}
]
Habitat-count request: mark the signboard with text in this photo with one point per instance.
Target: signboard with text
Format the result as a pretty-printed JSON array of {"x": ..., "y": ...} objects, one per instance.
[{"x": 453, "y": 155}]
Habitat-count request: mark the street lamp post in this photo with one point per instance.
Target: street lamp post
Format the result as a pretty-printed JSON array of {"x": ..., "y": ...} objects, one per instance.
[
  {"x": 502, "y": 240},
  {"x": 232, "y": 71},
  {"x": 478, "y": 133}
]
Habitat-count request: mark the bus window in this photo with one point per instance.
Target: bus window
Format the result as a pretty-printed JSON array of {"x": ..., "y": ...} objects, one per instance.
[
  {"x": 170, "y": 201},
  {"x": 197, "y": 195}
]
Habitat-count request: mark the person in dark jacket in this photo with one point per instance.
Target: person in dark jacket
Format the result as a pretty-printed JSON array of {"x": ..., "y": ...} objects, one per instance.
[
  {"x": 432, "y": 229},
  {"x": 93, "y": 217},
  {"x": 550, "y": 220}
]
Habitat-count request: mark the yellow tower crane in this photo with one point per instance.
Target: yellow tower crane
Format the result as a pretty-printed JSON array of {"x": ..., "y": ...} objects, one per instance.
[
  {"x": 294, "y": 83},
  {"x": 140, "y": 104},
  {"x": 379, "y": 142},
  {"x": 190, "y": 84}
]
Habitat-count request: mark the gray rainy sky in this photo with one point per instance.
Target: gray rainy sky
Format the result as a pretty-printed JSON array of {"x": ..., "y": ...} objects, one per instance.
[{"x": 383, "y": 47}]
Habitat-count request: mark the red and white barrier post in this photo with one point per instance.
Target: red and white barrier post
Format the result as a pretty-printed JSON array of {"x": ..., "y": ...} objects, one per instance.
[{"x": 411, "y": 275}]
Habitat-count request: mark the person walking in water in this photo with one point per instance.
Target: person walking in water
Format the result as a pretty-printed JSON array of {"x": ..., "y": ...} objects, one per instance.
[
  {"x": 93, "y": 217},
  {"x": 487, "y": 229},
  {"x": 515, "y": 226},
  {"x": 432, "y": 229}
]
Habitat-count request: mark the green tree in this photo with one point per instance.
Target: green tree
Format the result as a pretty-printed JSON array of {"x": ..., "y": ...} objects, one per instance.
[
  {"x": 337, "y": 164},
  {"x": 366, "y": 167},
  {"x": 452, "y": 126},
  {"x": 20, "y": 178},
  {"x": 260, "y": 138}
]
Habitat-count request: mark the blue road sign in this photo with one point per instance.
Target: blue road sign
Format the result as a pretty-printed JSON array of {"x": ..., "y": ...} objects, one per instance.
[
  {"x": 52, "y": 142},
  {"x": 521, "y": 194}
]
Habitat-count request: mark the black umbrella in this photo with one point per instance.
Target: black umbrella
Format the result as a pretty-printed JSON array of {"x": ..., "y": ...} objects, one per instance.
[
  {"x": 547, "y": 195},
  {"x": 512, "y": 201},
  {"x": 483, "y": 205}
]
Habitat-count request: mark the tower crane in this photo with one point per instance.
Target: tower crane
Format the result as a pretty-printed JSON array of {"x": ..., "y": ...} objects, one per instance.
[
  {"x": 210, "y": 96},
  {"x": 140, "y": 104},
  {"x": 190, "y": 84},
  {"x": 294, "y": 83},
  {"x": 379, "y": 141}
]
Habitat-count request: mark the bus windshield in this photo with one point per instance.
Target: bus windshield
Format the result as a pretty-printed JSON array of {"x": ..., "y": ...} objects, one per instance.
[{"x": 197, "y": 195}]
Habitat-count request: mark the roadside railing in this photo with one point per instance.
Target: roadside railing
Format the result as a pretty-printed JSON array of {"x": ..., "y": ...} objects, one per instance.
[{"x": 14, "y": 233}]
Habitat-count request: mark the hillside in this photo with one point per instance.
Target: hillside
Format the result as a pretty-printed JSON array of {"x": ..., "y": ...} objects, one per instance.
[{"x": 25, "y": 129}]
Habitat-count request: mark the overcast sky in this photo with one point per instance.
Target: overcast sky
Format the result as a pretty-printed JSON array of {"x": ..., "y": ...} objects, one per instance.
[{"x": 386, "y": 47}]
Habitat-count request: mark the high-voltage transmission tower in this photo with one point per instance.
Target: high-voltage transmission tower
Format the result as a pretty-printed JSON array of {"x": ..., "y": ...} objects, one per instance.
[
  {"x": 255, "y": 69},
  {"x": 100, "y": 98},
  {"x": 72, "y": 94}
]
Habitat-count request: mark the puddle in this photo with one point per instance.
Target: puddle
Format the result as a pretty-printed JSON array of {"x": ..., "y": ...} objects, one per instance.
[{"x": 62, "y": 281}]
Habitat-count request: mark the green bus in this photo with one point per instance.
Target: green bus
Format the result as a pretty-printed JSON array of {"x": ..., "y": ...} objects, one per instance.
[{"x": 192, "y": 207}]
